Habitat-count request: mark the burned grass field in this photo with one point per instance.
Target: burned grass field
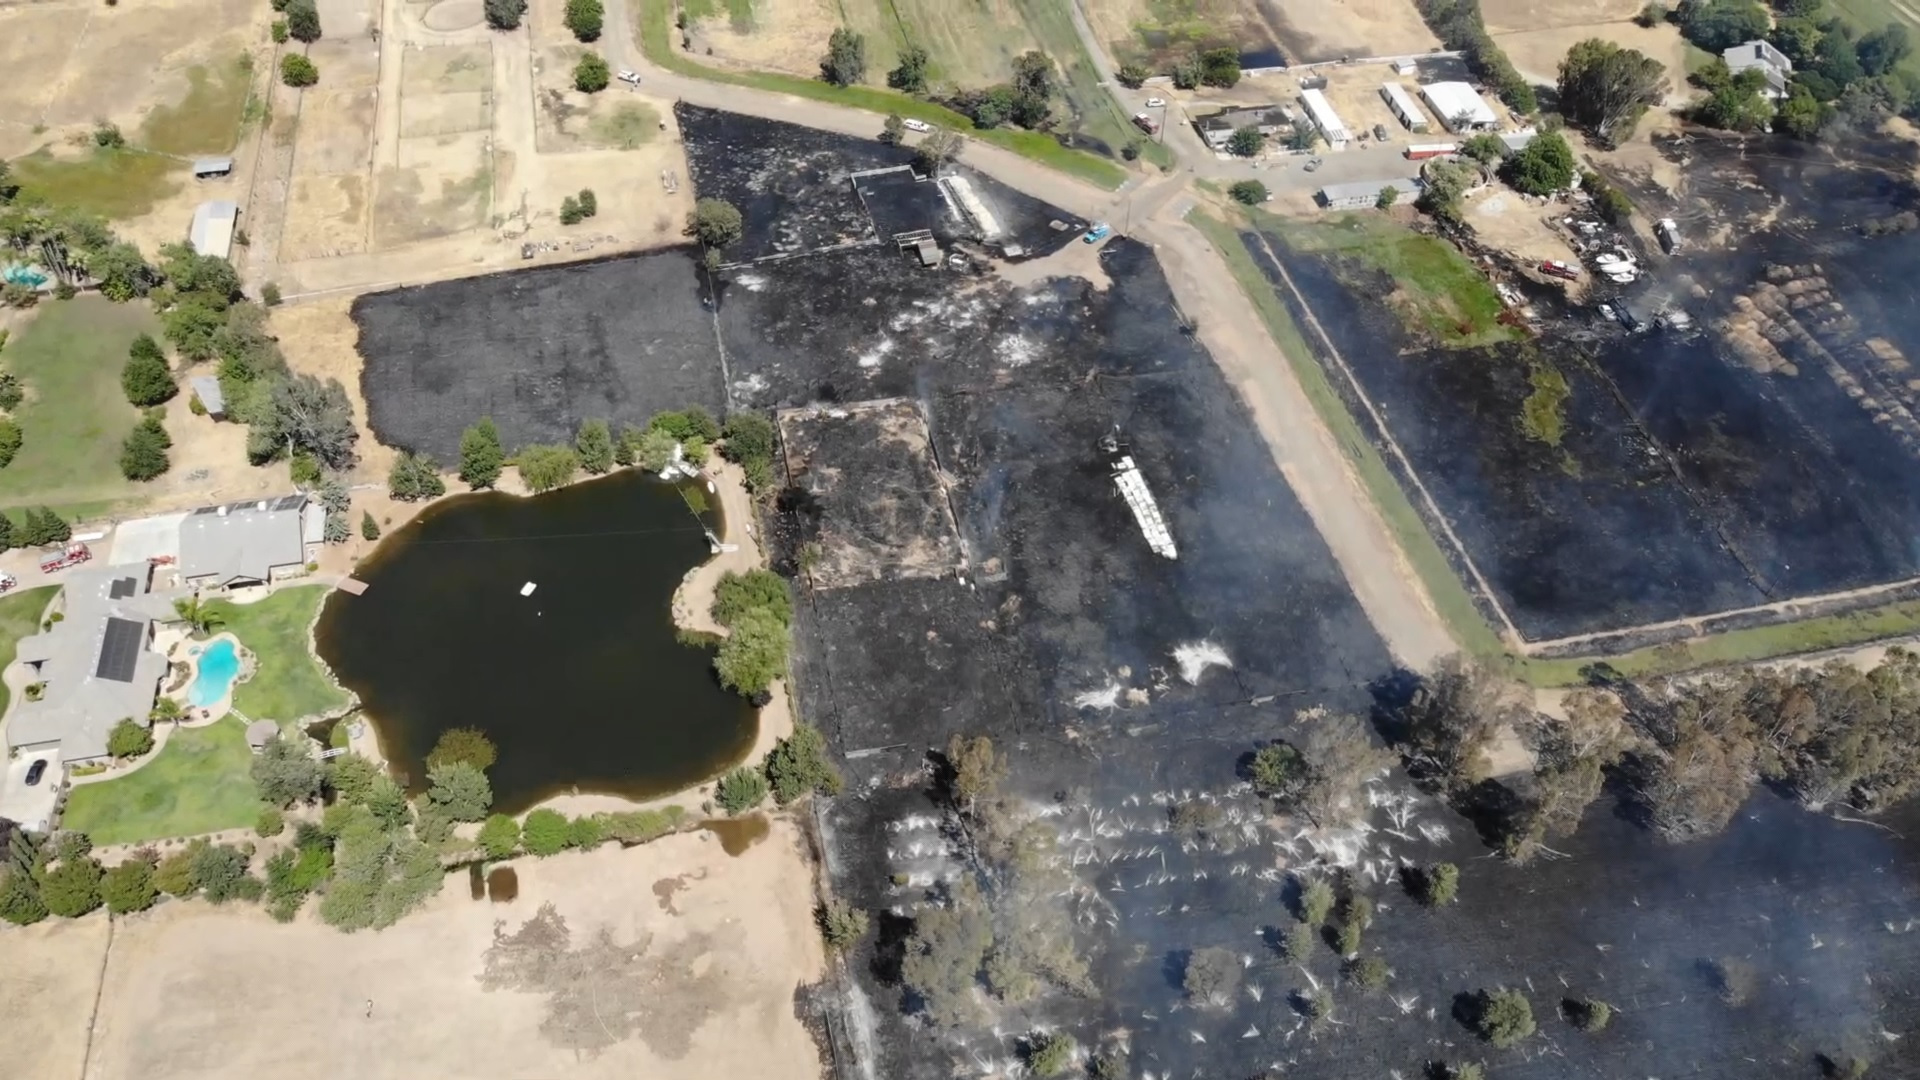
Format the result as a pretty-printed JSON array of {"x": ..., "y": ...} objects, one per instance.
[
  {"x": 537, "y": 350},
  {"x": 1602, "y": 480},
  {"x": 975, "y": 571}
]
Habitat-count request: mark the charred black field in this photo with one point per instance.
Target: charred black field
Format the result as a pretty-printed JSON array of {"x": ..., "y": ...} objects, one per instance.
[
  {"x": 1767, "y": 455},
  {"x": 964, "y": 564}
]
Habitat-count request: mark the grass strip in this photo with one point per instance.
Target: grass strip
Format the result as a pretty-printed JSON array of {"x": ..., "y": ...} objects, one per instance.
[{"x": 656, "y": 40}]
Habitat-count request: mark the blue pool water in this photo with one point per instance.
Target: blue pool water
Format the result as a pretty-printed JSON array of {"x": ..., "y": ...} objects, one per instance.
[{"x": 219, "y": 663}]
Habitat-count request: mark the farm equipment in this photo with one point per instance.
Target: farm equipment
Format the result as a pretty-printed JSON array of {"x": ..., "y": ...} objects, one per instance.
[
  {"x": 71, "y": 555},
  {"x": 1560, "y": 270}
]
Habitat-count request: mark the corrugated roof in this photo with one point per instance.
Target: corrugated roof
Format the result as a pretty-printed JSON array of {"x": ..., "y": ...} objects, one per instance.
[
  {"x": 1369, "y": 189},
  {"x": 213, "y": 225},
  {"x": 212, "y": 166},
  {"x": 1321, "y": 110},
  {"x": 207, "y": 389},
  {"x": 1453, "y": 100}
]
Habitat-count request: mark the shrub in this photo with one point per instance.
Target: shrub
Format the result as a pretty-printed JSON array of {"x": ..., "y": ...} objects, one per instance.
[
  {"x": 500, "y": 836},
  {"x": 129, "y": 887},
  {"x": 590, "y": 75},
  {"x": 505, "y": 14},
  {"x": 741, "y": 790},
  {"x": 11, "y": 392},
  {"x": 584, "y": 18},
  {"x": 279, "y": 31},
  {"x": 1316, "y": 903},
  {"x": 737, "y": 594},
  {"x": 271, "y": 822},
  {"x": 129, "y": 739},
  {"x": 544, "y": 468},
  {"x": 146, "y": 379},
  {"x": 639, "y": 826},
  {"x": 459, "y": 791},
  {"x": 1588, "y": 1014},
  {"x": 1211, "y": 976},
  {"x": 841, "y": 924},
  {"x": 298, "y": 71},
  {"x": 1049, "y": 1052},
  {"x": 1367, "y": 972},
  {"x": 481, "y": 457},
  {"x": 1246, "y": 142},
  {"x": 1132, "y": 76},
  {"x": 1502, "y": 1017},
  {"x": 754, "y": 653},
  {"x": 174, "y": 874},
  {"x": 303, "y": 20},
  {"x": 107, "y": 136},
  {"x": 594, "y": 444},
  {"x": 415, "y": 477},
  {"x": 72, "y": 887},
  {"x": 544, "y": 833},
  {"x": 1297, "y": 944},
  {"x": 270, "y": 294},
  {"x": 799, "y": 764},
  {"x": 143, "y": 455},
  {"x": 586, "y": 833},
  {"x": 1439, "y": 884},
  {"x": 369, "y": 528},
  {"x": 1249, "y": 192},
  {"x": 10, "y": 440}
]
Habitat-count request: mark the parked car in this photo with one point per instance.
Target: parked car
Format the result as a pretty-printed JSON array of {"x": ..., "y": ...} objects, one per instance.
[
  {"x": 917, "y": 125},
  {"x": 1097, "y": 233},
  {"x": 1145, "y": 123},
  {"x": 1380, "y": 132},
  {"x": 630, "y": 77},
  {"x": 1312, "y": 164},
  {"x": 1156, "y": 103},
  {"x": 35, "y": 771}
]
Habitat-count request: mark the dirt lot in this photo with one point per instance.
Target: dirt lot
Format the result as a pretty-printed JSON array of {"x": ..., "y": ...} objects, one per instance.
[
  {"x": 971, "y": 44},
  {"x": 1293, "y": 31},
  {"x": 1505, "y": 16},
  {"x": 1537, "y": 53},
  {"x": 672, "y": 960}
]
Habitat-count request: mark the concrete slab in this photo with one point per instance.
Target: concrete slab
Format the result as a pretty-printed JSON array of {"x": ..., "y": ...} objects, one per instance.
[{"x": 147, "y": 538}]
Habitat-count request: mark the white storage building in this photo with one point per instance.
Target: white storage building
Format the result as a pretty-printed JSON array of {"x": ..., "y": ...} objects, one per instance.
[
  {"x": 1320, "y": 111},
  {"x": 1365, "y": 194},
  {"x": 1460, "y": 107},
  {"x": 1403, "y": 106}
]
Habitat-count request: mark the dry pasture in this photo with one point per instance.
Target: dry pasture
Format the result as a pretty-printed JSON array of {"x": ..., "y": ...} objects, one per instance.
[
  {"x": 970, "y": 44},
  {"x": 1155, "y": 32},
  {"x": 671, "y": 961},
  {"x": 1537, "y": 53},
  {"x": 443, "y": 185},
  {"x": 1508, "y": 16},
  {"x": 326, "y": 216}
]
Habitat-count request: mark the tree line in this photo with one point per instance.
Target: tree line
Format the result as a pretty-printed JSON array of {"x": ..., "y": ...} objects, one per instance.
[{"x": 1842, "y": 80}]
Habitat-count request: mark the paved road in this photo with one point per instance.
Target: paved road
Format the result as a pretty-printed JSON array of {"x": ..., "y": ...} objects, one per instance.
[{"x": 1153, "y": 209}]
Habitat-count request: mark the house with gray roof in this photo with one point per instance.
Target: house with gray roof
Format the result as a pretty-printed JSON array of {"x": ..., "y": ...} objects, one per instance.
[
  {"x": 250, "y": 543},
  {"x": 1761, "y": 56},
  {"x": 96, "y": 664}
]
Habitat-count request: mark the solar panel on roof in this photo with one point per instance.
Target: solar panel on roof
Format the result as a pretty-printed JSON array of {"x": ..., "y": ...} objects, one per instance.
[
  {"x": 120, "y": 649},
  {"x": 121, "y": 588}
]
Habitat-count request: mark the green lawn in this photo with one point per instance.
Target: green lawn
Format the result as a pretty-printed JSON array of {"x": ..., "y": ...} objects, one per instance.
[
  {"x": 20, "y": 617},
  {"x": 655, "y": 19},
  {"x": 69, "y": 357},
  {"x": 1443, "y": 294},
  {"x": 115, "y": 184},
  {"x": 199, "y": 783},
  {"x": 288, "y": 682},
  {"x": 207, "y": 120}
]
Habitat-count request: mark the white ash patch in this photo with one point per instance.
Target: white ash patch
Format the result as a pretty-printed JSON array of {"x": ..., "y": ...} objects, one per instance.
[{"x": 1195, "y": 657}]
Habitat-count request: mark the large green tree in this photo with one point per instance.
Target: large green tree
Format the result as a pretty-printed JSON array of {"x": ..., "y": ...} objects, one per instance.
[
  {"x": 1604, "y": 88},
  {"x": 1543, "y": 166},
  {"x": 846, "y": 61},
  {"x": 286, "y": 772},
  {"x": 303, "y": 21},
  {"x": 481, "y": 456},
  {"x": 585, "y": 18},
  {"x": 715, "y": 223},
  {"x": 459, "y": 790},
  {"x": 544, "y": 468},
  {"x": 146, "y": 379}
]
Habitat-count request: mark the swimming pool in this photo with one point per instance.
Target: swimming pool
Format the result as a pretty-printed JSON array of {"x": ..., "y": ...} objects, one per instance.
[{"x": 219, "y": 663}]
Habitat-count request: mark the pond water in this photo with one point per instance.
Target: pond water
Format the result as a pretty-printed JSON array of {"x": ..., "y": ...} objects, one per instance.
[
  {"x": 219, "y": 665},
  {"x": 580, "y": 683}
]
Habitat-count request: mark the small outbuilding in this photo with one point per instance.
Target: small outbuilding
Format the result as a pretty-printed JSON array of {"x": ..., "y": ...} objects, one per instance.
[
  {"x": 259, "y": 733},
  {"x": 1404, "y": 107},
  {"x": 206, "y": 389},
  {"x": 1460, "y": 107},
  {"x": 212, "y": 168},
  {"x": 1320, "y": 110},
  {"x": 214, "y": 223}
]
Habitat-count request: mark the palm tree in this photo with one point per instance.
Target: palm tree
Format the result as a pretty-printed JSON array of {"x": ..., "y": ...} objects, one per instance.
[{"x": 197, "y": 614}]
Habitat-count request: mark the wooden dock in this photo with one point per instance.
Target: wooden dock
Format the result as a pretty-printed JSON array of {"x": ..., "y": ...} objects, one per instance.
[{"x": 352, "y": 585}]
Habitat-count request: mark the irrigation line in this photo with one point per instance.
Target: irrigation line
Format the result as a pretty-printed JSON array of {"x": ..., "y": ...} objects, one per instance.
[{"x": 99, "y": 989}]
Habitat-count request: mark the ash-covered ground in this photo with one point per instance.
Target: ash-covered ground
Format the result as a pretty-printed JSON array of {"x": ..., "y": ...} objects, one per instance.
[
  {"x": 1119, "y": 684},
  {"x": 1767, "y": 456},
  {"x": 538, "y": 350}
]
